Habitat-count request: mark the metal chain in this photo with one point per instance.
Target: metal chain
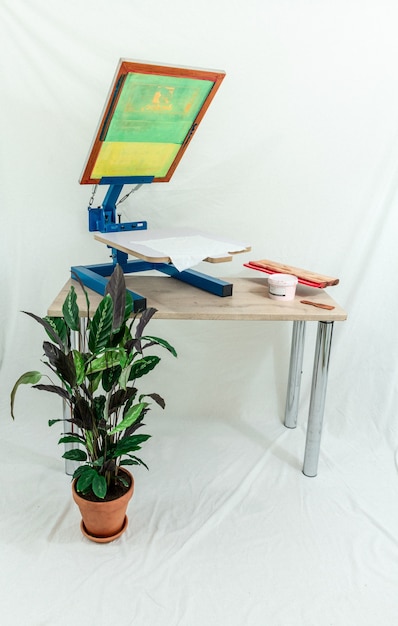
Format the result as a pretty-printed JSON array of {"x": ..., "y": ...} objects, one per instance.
[
  {"x": 94, "y": 190},
  {"x": 92, "y": 195}
]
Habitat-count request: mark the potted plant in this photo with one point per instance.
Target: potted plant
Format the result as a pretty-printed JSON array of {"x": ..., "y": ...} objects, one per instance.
[{"x": 98, "y": 384}]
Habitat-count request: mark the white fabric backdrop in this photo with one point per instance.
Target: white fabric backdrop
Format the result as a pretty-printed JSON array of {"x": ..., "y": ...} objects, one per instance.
[{"x": 298, "y": 154}]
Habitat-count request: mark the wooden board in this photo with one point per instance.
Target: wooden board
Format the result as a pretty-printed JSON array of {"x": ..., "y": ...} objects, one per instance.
[
  {"x": 305, "y": 277},
  {"x": 134, "y": 243}
]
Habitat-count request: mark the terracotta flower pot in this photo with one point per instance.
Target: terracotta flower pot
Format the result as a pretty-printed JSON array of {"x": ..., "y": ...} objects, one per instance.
[{"x": 103, "y": 522}]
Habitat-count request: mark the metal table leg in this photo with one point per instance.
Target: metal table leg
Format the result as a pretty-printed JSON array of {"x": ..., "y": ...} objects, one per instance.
[
  {"x": 295, "y": 371},
  {"x": 318, "y": 395}
]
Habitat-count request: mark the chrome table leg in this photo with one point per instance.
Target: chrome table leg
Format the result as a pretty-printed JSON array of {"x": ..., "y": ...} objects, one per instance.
[
  {"x": 318, "y": 395},
  {"x": 295, "y": 371}
]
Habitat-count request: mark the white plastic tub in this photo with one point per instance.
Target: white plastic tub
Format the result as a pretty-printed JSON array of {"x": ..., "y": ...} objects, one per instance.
[{"x": 282, "y": 286}]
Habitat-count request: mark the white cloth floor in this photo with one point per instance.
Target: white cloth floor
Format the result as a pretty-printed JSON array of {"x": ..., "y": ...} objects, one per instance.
[{"x": 297, "y": 155}]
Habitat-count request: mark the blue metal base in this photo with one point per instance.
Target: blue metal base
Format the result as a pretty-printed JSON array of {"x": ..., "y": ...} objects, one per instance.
[
  {"x": 95, "y": 277},
  {"x": 197, "y": 279}
]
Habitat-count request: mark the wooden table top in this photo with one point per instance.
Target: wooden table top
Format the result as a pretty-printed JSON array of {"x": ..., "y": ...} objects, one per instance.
[{"x": 176, "y": 300}]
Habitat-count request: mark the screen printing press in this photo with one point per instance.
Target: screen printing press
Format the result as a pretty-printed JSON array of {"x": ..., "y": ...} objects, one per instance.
[{"x": 150, "y": 116}]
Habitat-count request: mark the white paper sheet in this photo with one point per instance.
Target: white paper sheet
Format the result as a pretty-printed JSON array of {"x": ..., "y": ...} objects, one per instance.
[{"x": 186, "y": 252}]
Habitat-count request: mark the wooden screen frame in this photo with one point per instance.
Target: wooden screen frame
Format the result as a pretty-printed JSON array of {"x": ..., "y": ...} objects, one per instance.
[{"x": 124, "y": 68}]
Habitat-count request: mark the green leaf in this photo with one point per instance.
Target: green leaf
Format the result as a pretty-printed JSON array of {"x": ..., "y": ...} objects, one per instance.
[
  {"x": 86, "y": 479},
  {"x": 90, "y": 441},
  {"x": 95, "y": 380},
  {"x": 124, "y": 481},
  {"x": 110, "y": 376},
  {"x": 71, "y": 439},
  {"x": 70, "y": 310},
  {"x": 101, "y": 325},
  {"x": 99, "y": 486},
  {"x": 28, "y": 378},
  {"x": 80, "y": 364},
  {"x": 129, "y": 306},
  {"x": 124, "y": 377},
  {"x": 59, "y": 327},
  {"x": 134, "y": 460},
  {"x": 75, "y": 455},
  {"x": 107, "y": 360},
  {"x": 131, "y": 416},
  {"x": 98, "y": 407},
  {"x": 160, "y": 342},
  {"x": 99, "y": 462},
  {"x": 143, "y": 366},
  {"x": 80, "y": 470},
  {"x": 129, "y": 444},
  {"x": 52, "y": 422},
  {"x": 83, "y": 288}
]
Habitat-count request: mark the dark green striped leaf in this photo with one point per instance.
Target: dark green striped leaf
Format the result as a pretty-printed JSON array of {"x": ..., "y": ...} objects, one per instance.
[
  {"x": 159, "y": 342},
  {"x": 143, "y": 366},
  {"x": 60, "y": 329},
  {"x": 101, "y": 325},
  {"x": 131, "y": 416},
  {"x": 75, "y": 455},
  {"x": 70, "y": 310}
]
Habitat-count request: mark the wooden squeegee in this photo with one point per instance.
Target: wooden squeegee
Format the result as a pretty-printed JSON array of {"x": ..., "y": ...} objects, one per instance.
[{"x": 305, "y": 277}]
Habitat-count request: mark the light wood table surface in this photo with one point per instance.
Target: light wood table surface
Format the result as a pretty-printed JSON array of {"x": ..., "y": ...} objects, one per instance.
[{"x": 179, "y": 301}]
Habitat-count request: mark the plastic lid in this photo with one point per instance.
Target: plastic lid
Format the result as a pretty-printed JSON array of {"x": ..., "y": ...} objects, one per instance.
[{"x": 283, "y": 280}]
